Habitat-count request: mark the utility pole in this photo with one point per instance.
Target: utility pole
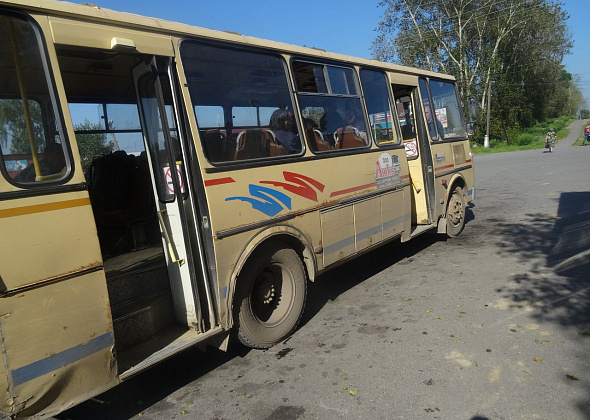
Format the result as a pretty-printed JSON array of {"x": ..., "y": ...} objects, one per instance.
[{"x": 486, "y": 139}]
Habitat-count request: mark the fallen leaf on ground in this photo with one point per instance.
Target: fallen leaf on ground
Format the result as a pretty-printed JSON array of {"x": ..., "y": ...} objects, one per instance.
[
  {"x": 537, "y": 359},
  {"x": 572, "y": 377}
]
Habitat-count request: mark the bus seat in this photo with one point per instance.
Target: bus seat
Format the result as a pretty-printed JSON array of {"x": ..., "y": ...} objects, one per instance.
[
  {"x": 348, "y": 139},
  {"x": 275, "y": 148},
  {"x": 215, "y": 145},
  {"x": 316, "y": 140},
  {"x": 252, "y": 144},
  {"x": 321, "y": 144},
  {"x": 122, "y": 200}
]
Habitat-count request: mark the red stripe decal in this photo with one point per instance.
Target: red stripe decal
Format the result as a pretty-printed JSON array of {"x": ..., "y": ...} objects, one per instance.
[
  {"x": 468, "y": 161},
  {"x": 219, "y": 181},
  {"x": 353, "y": 189},
  {"x": 440, "y": 168},
  {"x": 404, "y": 176}
]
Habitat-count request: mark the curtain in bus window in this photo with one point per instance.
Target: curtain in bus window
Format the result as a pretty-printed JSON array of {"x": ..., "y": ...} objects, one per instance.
[
  {"x": 241, "y": 101},
  {"x": 447, "y": 108},
  {"x": 32, "y": 148}
]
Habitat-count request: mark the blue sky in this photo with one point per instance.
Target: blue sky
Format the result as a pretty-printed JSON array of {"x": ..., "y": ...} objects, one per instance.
[{"x": 343, "y": 26}]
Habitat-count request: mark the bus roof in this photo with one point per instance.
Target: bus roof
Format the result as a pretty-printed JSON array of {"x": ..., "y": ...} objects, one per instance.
[{"x": 95, "y": 13}]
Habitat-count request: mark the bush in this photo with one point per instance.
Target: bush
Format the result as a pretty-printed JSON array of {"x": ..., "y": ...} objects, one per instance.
[{"x": 524, "y": 139}]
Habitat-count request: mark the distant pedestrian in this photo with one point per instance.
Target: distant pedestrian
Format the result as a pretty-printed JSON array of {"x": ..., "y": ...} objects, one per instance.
[
  {"x": 586, "y": 134},
  {"x": 550, "y": 140}
]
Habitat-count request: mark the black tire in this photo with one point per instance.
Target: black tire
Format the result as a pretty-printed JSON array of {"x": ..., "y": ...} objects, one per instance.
[
  {"x": 455, "y": 213},
  {"x": 270, "y": 296}
]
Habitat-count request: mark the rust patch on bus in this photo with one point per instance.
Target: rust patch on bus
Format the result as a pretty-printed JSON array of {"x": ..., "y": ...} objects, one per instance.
[{"x": 85, "y": 269}]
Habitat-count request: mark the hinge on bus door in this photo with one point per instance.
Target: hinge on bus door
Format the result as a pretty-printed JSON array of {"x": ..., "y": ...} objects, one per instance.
[{"x": 168, "y": 241}]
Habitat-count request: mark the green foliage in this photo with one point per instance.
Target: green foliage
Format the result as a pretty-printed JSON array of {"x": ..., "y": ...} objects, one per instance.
[
  {"x": 91, "y": 145},
  {"x": 517, "y": 44},
  {"x": 585, "y": 114},
  {"x": 529, "y": 138},
  {"x": 14, "y": 133},
  {"x": 525, "y": 139}
]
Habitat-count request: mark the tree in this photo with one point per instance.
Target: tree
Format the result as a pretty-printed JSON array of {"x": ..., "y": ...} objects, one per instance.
[
  {"x": 91, "y": 145},
  {"x": 14, "y": 134},
  {"x": 519, "y": 44}
]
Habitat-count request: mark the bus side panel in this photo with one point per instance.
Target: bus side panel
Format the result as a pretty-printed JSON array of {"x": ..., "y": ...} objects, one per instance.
[
  {"x": 55, "y": 318},
  {"x": 58, "y": 348},
  {"x": 5, "y": 398}
]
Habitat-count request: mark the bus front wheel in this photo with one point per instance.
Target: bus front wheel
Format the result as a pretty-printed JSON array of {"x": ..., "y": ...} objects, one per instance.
[
  {"x": 455, "y": 213},
  {"x": 270, "y": 296}
]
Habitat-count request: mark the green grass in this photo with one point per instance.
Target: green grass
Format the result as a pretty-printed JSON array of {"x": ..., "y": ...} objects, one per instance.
[{"x": 530, "y": 138}]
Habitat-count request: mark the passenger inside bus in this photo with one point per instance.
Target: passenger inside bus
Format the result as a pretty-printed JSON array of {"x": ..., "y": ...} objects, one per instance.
[
  {"x": 53, "y": 162},
  {"x": 331, "y": 120},
  {"x": 282, "y": 124},
  {"x": 354, "y": 120}
]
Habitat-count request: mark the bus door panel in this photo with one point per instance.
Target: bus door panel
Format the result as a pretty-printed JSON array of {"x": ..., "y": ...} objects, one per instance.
[
  {"x": 418, "y": 154},
  {"x": 170, "y": 186},
  {"x": 443, "y": 163}
]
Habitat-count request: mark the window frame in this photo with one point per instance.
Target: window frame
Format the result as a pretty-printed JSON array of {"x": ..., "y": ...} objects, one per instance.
[
  {"x": 329, "y": 94},
  {"x": 58, "y": 115},
  {"x": 228, "y": 107},
  {"x": 392, "y": 109},
  {"x": 441, "y": 138}
]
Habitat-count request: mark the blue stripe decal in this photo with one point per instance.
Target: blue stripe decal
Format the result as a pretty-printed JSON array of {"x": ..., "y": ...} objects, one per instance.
[
  {"x": 368, "y": 233},
  {"x": 330, "y": 249},
  {"x": 224, "y": 293},
  {"x": 44, "y": 366},
  {"x": 391, "y": 223},
  {"x": 469, "y": 192},
  {"x": 337, "y": 246}
]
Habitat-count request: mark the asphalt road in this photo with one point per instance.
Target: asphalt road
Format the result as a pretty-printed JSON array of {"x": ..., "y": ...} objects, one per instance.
[{"x": 489, "y": 325}]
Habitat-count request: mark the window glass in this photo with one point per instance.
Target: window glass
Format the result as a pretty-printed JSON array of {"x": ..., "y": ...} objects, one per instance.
[
  {"x": 33, "y": 150},
  {"x": 432, "y": 122},
  {"x": 376, "y": 90},
  {"x": 210, "y": 116},
  {"x": 250, "y": 86},
  {"x": 309, "y": 77},
  {"x": 405, "y": 115},
  {"x": 447, "y": 108},
  {"x": 243, "y": 116},
  {"x": 342, "y": 81},
  {"x": 331, "y": 121}
]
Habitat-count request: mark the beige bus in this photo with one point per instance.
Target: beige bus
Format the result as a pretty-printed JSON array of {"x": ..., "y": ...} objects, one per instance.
[{"x": 164, "y": 186}]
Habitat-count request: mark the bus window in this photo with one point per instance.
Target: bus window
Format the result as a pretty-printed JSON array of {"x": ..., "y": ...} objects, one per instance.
[
  {"x": 405, "y": 114},
  {"x": 32, "y": 148},
  {"x": 376, "y": 89},
  {"x": 433, "y": 123},
  {"x": 331, "y": 106},
  {"x": 249, "y": 87},
  {"x": 447, "y": 107}
]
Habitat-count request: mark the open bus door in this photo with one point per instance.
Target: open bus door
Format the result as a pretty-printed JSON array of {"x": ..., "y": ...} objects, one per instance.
[
  {"x": 191, "y": 296},
  {"x": 419, "y": 157}
]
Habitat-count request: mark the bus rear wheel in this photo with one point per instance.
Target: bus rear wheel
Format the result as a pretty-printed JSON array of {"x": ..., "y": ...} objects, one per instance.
[
  {"x": 270, "y": 296},
  {"x": 455, "y": 213}
]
